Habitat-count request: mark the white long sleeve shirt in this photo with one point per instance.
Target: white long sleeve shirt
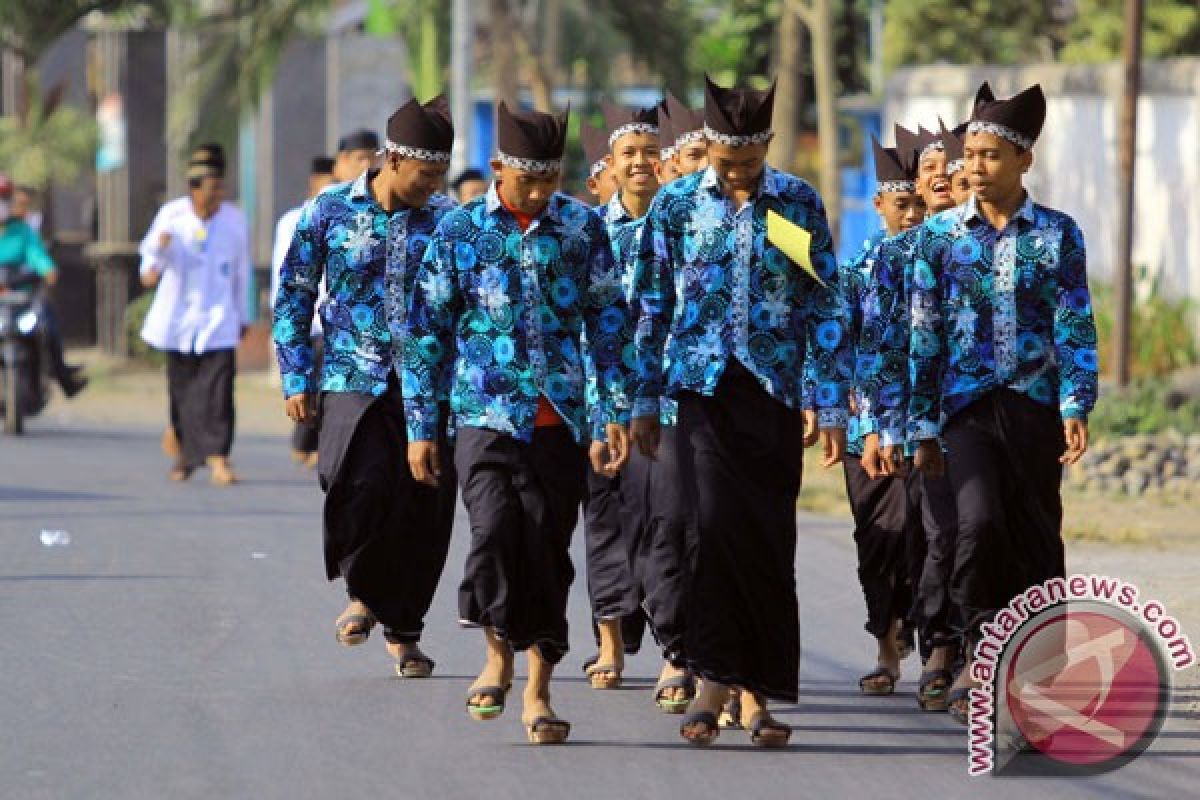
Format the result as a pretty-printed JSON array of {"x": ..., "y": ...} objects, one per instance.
[{"x": 205, "y": 269}]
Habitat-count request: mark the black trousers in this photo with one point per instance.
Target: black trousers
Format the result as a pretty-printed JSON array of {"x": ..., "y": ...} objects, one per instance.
[
  {"x": 200, "y": 394},
  {"x": 386, "y": 534},
  {"x": 304, "y": 434},
  {"x": 882, "y": 539},
  {"x": 1006, "y": 478},
  {"x": 742, "y": 452},
  {"x": 657, "y": 512},
  {"x": 611, "y": 588},
  {"x": 523, "y": 499},
  {"x": 936, "y": 611}
]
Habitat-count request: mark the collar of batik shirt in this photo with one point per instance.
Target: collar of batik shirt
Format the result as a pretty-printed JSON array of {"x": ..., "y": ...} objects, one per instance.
[
  {"x": 770, "y": 185},
  {"x": 972, "y": 214},
  {"x": 360, "y": 188},
  {"x": 615, "y": 212},
  {"x": 551, "y": 213}
]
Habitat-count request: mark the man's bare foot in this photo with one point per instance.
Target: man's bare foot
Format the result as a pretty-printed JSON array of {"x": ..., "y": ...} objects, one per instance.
[
  {"x": 765, "y": 730},
  {"x": 179, "y": 472},
  {"x": 410, "y": 661},
  {"x": 959, "y": 698},
  {"x": 310, "y": 461},
  {"x": 496, "y": 675},
  {"x": 354, "y": 624},
  {"x": 700, "y": 726},
  {"x": 882, "y": 680},
  {"x": 675, "y": 689},
  {"x": 222, "y": 472},
  {"x": 542, "y": 725},
  {"x": 610, "y": 661}
]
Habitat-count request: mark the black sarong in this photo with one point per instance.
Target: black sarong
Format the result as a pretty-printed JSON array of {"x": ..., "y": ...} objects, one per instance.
[
  {"x": 881, "y": 512},
  {"x": 200, "y": 393},
  {"x": 936, "y": 613},
  {"x": 611, "y": 589},
  {"x": 386, "y": 534},
  {"x": 523, "y": 500},
  {"x": 656, "y": 511},
  {"x": 1006, "y": 477},
  {"x": 743, "y": 453}
]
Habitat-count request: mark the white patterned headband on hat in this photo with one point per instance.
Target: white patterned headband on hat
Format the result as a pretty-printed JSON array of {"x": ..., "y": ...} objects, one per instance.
[
  {"x": 667, "y": 153},
  {"x": 632, "y": 127},
  {"x": 955, "y": 166},
  {"x": 597, "y": 168},
  {"x": 684, "y": 139},
  {"x": 415, "y": 153},
  {"x": 932, "y": 147},
  {"x": 737, "y": 140},
  {"x": 530, "y": 164},
  {"x": 1003, "y": 131},
  {"x": 887, "y": 187}
]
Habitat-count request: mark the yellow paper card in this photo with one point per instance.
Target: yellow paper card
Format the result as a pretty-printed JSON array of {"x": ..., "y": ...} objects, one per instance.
[{"x": 793, "y": 241}]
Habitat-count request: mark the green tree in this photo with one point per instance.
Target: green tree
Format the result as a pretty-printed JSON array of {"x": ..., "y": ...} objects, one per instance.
[
  {"x": 966, "y": 32},
  {"x": 45, "y": 141},
  {"x": 1171, "y": 28}
]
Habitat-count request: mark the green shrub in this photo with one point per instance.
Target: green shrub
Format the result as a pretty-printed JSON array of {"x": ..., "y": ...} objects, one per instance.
[
  {"x": 1144, "y": 407},
  {"x": 135, "y": 317},
  {"x": 1163, "y": 332}
]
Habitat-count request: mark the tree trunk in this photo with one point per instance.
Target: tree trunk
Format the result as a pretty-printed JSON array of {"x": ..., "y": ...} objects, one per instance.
[
  {"x": 821, "y": 35},
  {"x": 787, "y": 92},
  {"x": 504, "y": 53}
]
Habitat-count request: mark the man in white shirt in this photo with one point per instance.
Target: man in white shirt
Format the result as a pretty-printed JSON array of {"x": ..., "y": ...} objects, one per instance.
[
  {"x": 304, "y": 436},
  {"x": 196, "y": 254}
]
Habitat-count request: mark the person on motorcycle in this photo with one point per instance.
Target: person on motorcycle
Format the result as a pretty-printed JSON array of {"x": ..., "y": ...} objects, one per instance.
[{"x": 21, "y": 246}]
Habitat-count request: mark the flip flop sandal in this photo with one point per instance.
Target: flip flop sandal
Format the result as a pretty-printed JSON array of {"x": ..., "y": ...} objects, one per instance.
[
  {"x": 595, "y": 673},
  {"x": 548, "y": 730},
  {"x": 731, "y": 712},
  {"x": 878, "y": 691},
  {"x": 762, "y": 725},
  {"x": 930, "y": 696},
  {"x": 482, "y": 713},
  {"x": 353, "y": 629},
  {"x": 960, "y": 714},
  {"x": 687, "y": 682},
  {"x": 711, "y": 729},
  {"x": 415, "y": 666}
]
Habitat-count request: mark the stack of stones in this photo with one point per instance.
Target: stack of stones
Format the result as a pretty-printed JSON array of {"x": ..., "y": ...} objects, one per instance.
[{"x": 1150, "y": 465}]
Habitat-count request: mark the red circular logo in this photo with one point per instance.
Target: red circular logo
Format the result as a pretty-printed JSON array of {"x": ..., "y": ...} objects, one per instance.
[{"x": 1087, "y": 687}]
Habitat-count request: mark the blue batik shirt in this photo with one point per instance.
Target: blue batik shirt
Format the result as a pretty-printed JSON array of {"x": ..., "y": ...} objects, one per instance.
[
  {"x": 994, "y": 309},
  {"x": 853, "y": 285},
  {"x": 346, "y": 237},
  {"x": 497, "y": 318},
  {"x": 708, "y": 287}
]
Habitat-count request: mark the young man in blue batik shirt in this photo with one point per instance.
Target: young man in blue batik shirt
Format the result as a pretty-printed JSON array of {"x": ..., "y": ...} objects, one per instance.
[
  {"x": 724, "y": 317},
  {"x": 1003, "y": 365},
  {"x": 509, "y": 286},
  {"x": 386, "y": 534}
]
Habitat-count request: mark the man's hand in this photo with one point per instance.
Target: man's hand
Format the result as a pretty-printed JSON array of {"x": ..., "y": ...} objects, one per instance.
[
  {"x": 164, "y": 241},
  {"x": 833, "y": 442},
  {"x": 424, "y": 461},
  {"x": 811, "y": 431},
  {"x": 871, "y": 457},
  {"x": 1076, "y": 433},
  {"x": 892, "y": 461},
  {"x": 51, "y": 277},
  {"x": 929, "y": 458},
  {"x": 299, "y": 408},
  {"x": 608, "y": 458},
  {"x": 150, "y": 278},
  {"x": 645, "y": 432}
]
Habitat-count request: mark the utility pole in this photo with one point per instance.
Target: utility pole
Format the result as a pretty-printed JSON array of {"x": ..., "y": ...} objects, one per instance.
[
  {"x": 460, "y": 83},
  {"x": 1127, "y": 159}
]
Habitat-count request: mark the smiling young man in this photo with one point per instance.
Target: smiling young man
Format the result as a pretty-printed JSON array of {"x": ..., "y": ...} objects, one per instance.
[
  {"x": 1003, "y": 364},
  {"x": 599, "y": 182},
  {"x": 632, "y": 159},
  {"x": 385, "y": 534},
  {"x": 723, "y": 321},
  {"x": 507, "y": 289}
]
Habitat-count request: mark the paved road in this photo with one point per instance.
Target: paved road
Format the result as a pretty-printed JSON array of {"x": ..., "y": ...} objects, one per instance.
[{"x": 181, "y": 647}]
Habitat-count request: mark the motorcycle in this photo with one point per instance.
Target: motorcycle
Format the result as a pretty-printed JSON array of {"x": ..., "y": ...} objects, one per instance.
[{"x": 25, "y": 388}]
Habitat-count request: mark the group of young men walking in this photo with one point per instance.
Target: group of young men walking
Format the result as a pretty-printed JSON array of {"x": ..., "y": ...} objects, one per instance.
[{"x": 658, "y": 363}]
